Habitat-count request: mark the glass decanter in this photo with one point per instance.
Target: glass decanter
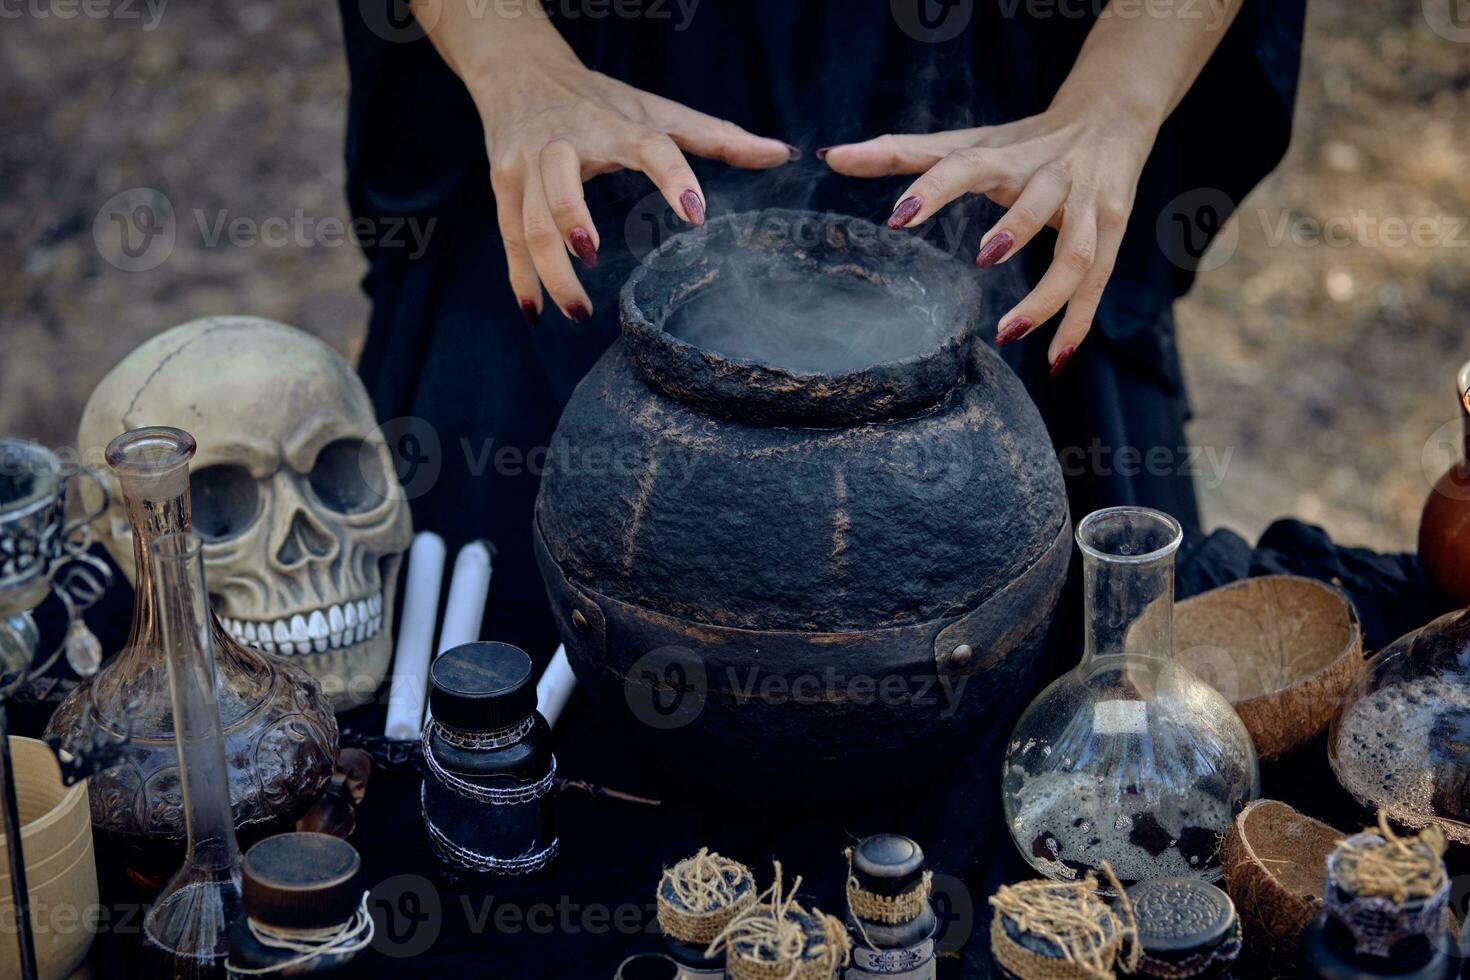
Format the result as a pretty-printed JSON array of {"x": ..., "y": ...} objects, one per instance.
[
  {"x": 1401, "y": 741},
  {"x": 1127, "y": 758},
  {"x": 280, "y": 735},
  {"x": 186, "y": 930}
]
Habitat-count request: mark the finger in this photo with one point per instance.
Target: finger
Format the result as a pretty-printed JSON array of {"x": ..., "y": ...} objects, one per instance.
[
  {"x": 1082, "y": 307},
  {"x": 718, "y": 139},
  {"x": 1040, "y": 200},
  {"x": 1071, "y": 261},
  {"x": 895, "y": 154},
  {"x": 522, "y": 271},
  {"x": 561, "y": 178},
  {"x": 971, "y": 169},
  {"x": 659, "y": 157},
  {"x": 549, "y": 253}
]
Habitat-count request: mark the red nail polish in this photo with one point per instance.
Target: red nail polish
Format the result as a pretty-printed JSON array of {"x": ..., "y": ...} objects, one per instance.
[
  {"x": 529, "y": 311},
  {"x": 792, "y": 153},
  {"x": 582, "y": 245},
  {"x": 822, "y": 152},
  {"x": 905, "y": 212},
  {"x": 693, "y": 207},
  {"x": 1013, "y": 331},
  {"x": 992, "y": 251},
  {"x": 578, "y": 312},
  {"x": 1062, "y": 359}
]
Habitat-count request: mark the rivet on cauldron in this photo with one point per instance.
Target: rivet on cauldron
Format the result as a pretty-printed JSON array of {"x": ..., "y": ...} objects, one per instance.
[
  {"x": 579, "y": 620},
  {"x": 961, "y": 655}
]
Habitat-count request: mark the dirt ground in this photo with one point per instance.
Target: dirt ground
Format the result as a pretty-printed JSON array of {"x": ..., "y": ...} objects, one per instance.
[{"x": 1320, "y": 351}]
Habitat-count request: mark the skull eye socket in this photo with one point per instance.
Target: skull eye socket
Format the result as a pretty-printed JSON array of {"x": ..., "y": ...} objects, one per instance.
[
  {"x": 226, "y": 500},
  {"x": 340, "y": 480}
]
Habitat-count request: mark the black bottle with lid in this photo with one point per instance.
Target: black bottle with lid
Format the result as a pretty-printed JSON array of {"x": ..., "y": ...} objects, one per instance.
[
  {"x": 889, "y": 918},
  {"x": 302, "y": 896},
  {"x": 1187, "y": 928},
  {"x": 488, "y": 763}
]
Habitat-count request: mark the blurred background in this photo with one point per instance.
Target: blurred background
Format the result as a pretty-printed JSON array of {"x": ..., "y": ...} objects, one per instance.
[{"x": 1320, "y": 347}]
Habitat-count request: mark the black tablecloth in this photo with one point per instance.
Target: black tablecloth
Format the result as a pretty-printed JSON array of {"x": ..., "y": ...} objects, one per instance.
[{"x": 582, "y": 917}]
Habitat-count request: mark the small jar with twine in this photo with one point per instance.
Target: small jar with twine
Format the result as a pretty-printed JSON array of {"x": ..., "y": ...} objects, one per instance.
[
  {"x": 305, "y": 908},
  {"x": 1383, "y": 909},
  {"x": 776, "y": 938},
  {"x": 889, "y": 920},
  {"x": 697, "y": 898},
  {"x": 1054, "y": 930}
]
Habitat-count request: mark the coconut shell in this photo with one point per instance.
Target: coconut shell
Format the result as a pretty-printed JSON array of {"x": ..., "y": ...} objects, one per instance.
[
  {"x": 1282, "y": 648},
  {"x": 1275, "y": 862}
]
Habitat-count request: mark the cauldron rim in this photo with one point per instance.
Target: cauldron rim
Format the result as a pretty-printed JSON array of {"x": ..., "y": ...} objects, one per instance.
[{"x": 766, "y": 394}]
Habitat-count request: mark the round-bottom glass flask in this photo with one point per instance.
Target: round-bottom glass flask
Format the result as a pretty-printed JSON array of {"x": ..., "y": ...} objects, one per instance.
[{"x": 1127, "y": 758}]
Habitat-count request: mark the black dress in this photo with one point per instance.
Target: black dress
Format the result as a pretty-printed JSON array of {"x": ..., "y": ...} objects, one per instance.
[
  {"x": 468, "y": 392},
  {"x": 474, "y": 391}
]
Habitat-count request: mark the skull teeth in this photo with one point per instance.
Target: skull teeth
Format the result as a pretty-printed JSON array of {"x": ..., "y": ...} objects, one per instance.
[{"x": 317, "y": 631}]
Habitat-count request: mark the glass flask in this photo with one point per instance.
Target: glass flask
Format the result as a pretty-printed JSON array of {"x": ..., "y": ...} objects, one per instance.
[
  {"x": 186, "y": 930},
  {"x": 1401, "y": 741},
  {"x": 1444, "y": 528},
  {"x": 280, "y": 735},
  {"x": 1127, "y": 758}
]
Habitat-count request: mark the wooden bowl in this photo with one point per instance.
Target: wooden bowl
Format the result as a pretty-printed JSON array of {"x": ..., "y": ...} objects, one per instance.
[
  {"x": 1283, "y": 649},
  {"x": 61, "y": 871},
  {"x": 1275, "y": 862}
]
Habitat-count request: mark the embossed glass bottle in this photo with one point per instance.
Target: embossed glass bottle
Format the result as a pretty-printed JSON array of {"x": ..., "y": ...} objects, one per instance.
[
  {"x": 280, "y": 736},
  {"x": 1127, "y": 758}
]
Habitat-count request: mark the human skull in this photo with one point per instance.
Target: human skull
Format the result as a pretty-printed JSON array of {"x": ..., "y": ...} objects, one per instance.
[{"x": 293, "y": 489}]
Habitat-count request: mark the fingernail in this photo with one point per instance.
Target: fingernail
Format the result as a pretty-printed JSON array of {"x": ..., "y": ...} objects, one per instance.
[
  {"x": 1013, "y": 331},
  {"x": 992, "y": 251},
  {"x": 905, "y": 212},
  {"x": 792, "y": 153},
  {"x": 822, "y": 152},
  {"x": 529, "y": 311},
  {"x": 1061, "y": 361},
  {"x": 693, "y": 207},
  {"x": 582, "y": 245},
  {"x": 578, "y": 312}
]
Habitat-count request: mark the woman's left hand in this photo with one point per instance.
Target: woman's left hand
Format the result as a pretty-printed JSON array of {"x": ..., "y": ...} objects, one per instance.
[{"x": 1074, "y": 168}]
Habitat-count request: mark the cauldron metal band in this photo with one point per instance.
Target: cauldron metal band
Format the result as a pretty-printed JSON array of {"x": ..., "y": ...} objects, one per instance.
[{"x": 969, "y": 643}]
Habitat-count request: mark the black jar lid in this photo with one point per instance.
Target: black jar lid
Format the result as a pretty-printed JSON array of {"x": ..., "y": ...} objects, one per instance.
[
  {"x": 1180, "y": 918},
  {"x": 477, "y": 687},
  {"x": 302, "y": 881},
  {"x": 887, "y": 864}
]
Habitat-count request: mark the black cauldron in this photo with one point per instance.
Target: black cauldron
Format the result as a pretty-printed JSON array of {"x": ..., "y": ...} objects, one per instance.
[{"x": 799, "y": 583}]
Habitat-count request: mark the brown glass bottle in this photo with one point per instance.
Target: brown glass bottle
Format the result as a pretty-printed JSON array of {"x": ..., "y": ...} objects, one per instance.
[{"x": 280, "y": 735}]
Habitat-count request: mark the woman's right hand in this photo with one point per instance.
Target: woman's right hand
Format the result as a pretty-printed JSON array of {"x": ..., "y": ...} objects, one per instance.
[{"x": 551, "y": 124}]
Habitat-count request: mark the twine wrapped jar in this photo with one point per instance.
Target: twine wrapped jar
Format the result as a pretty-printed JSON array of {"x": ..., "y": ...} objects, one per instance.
[
  {"x": 1384, "y": 910},
  {"x": 697, "y": 898},
  {"x": 1049, "y": 930},
  {"x": 776, "y": 938}
]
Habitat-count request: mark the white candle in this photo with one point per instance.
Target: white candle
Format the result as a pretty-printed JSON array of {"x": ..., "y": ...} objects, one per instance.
[
  {"x": 555, "y": 687},
  {"x": 468, "y": 588},
  {"x": 409, "y": 690},
  {"x": 464, "y": 610}
]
